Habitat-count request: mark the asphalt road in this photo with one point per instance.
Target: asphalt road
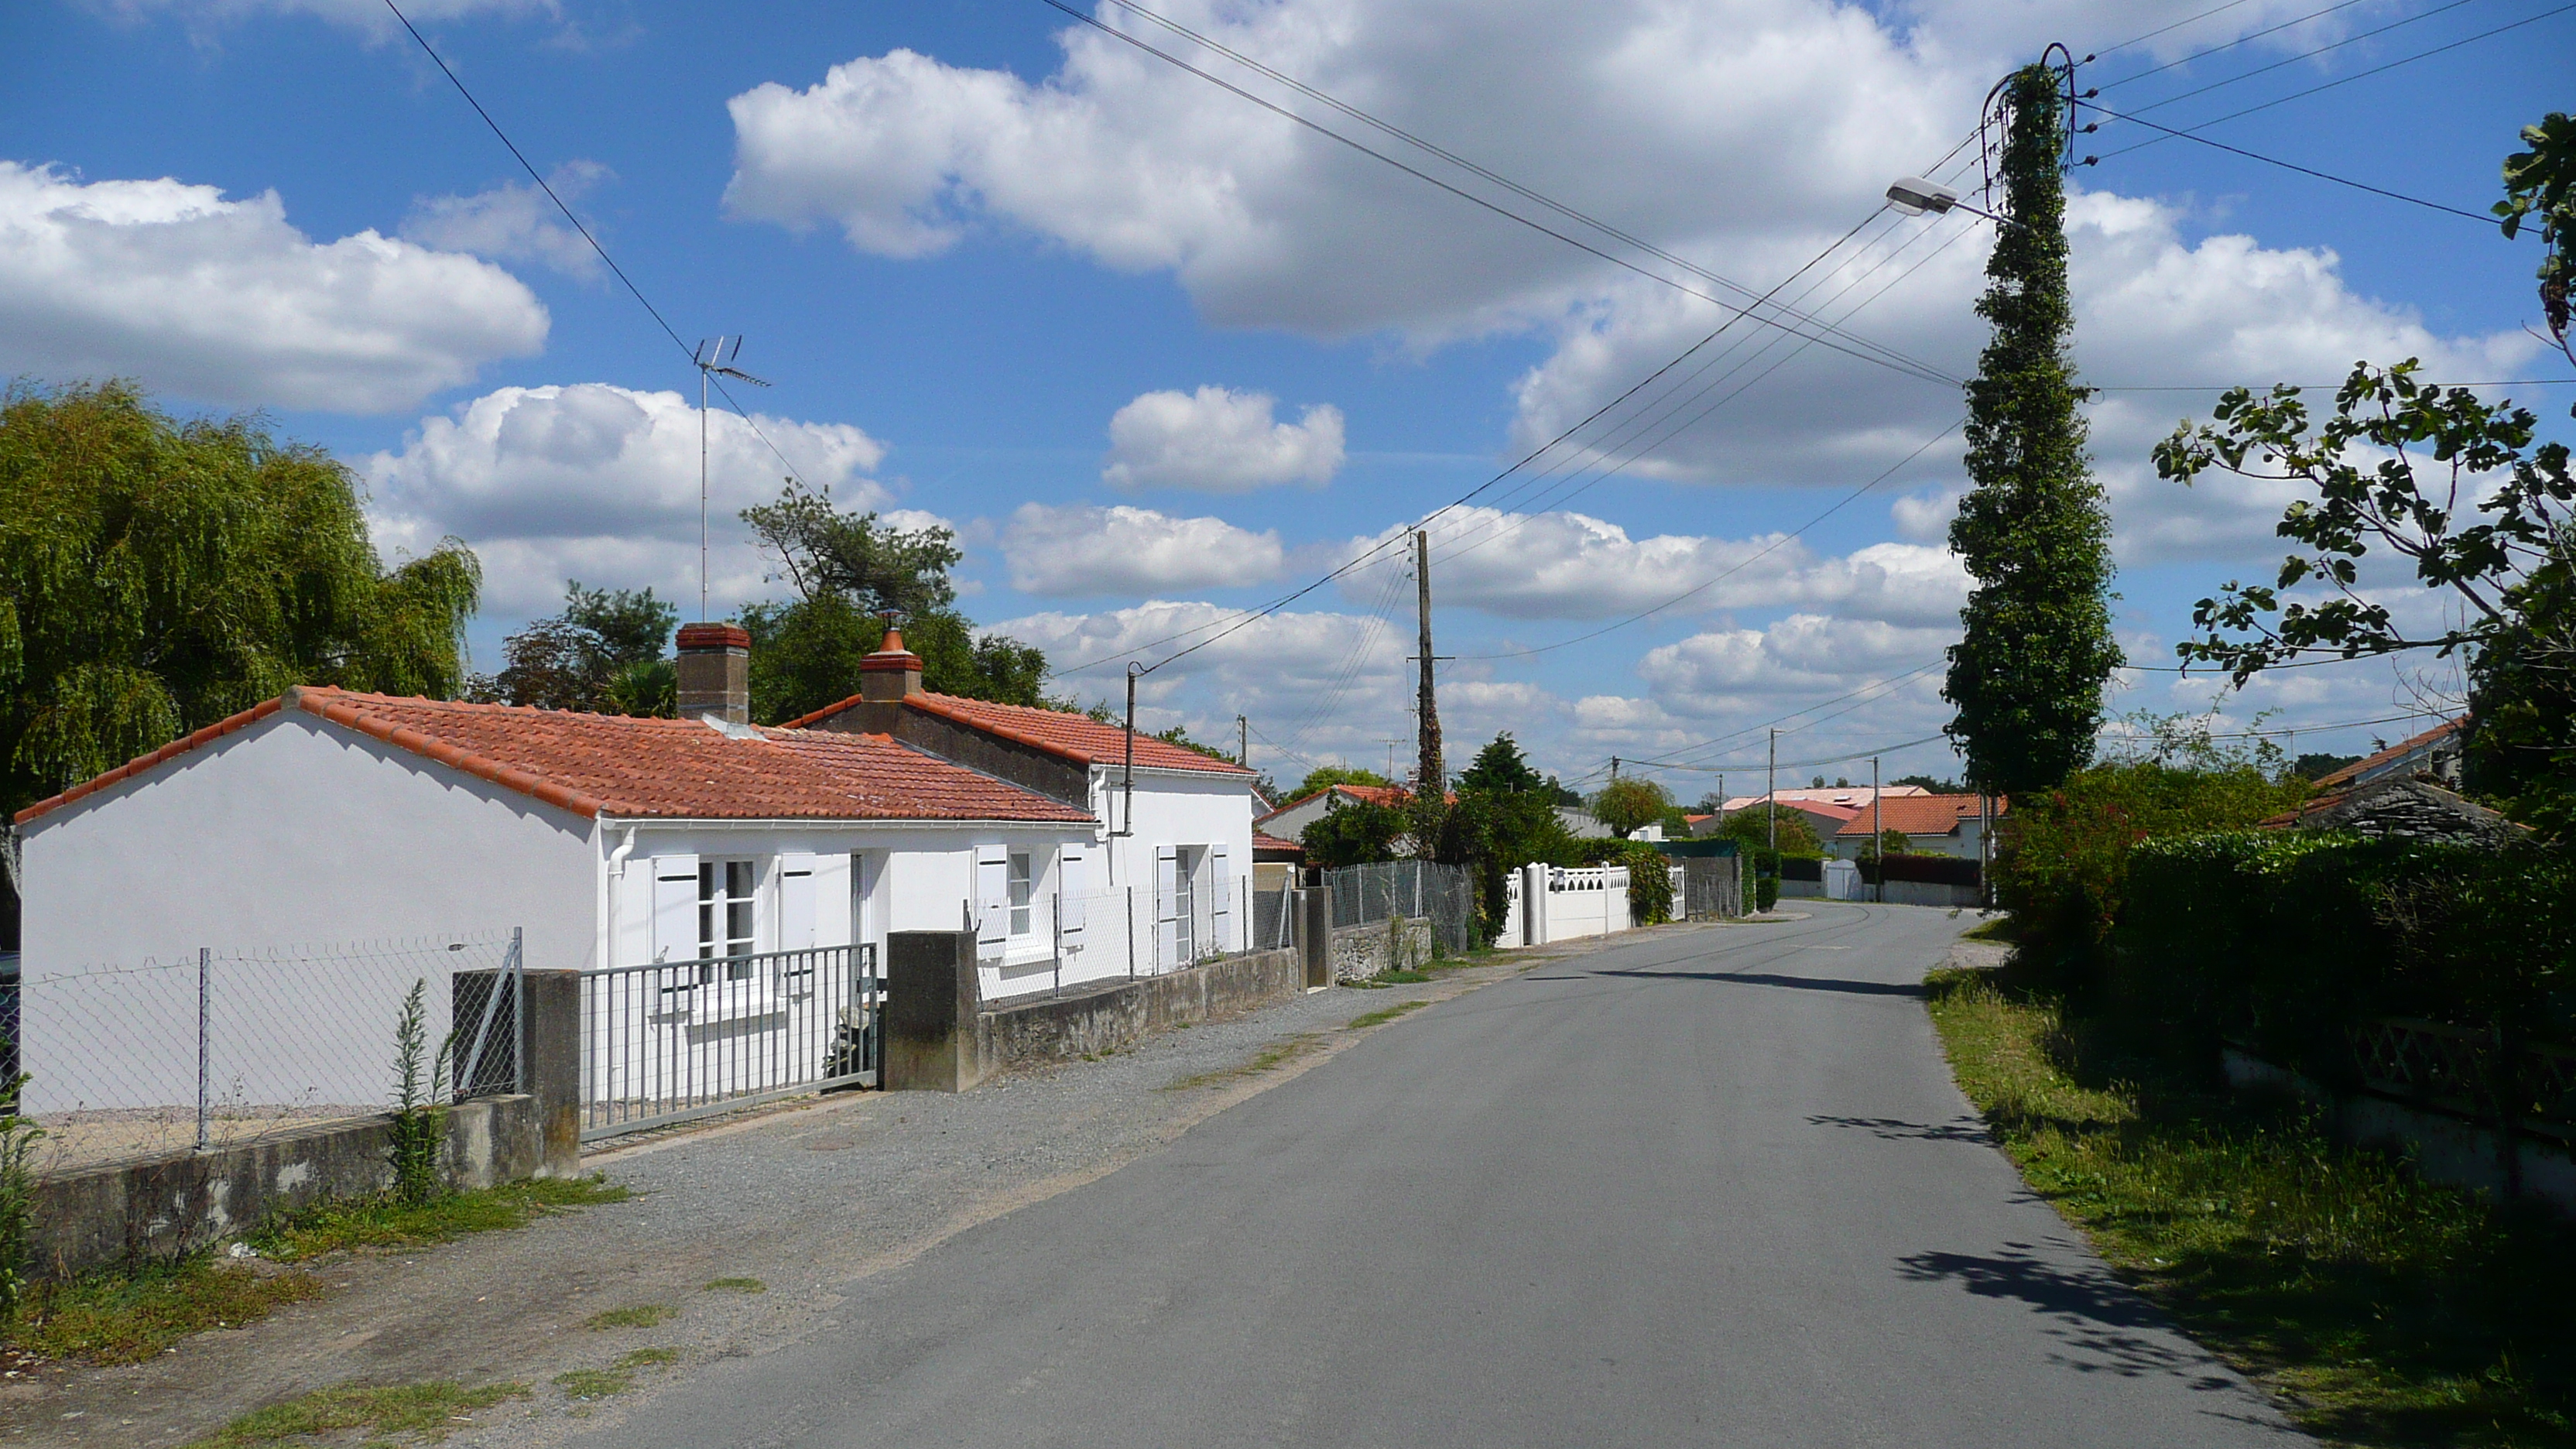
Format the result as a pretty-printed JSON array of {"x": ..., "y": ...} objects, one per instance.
[{"x": 1710, "y": 1188}]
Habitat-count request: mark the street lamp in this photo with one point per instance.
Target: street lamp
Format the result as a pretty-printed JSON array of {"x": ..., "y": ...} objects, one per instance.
[{"x": 1914, "y": 196}]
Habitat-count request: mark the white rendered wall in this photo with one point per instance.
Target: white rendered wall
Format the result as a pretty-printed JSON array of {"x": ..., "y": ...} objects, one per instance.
[
  {"x": 293, "y": 832},
  {"x": 1177, "y": 808}
]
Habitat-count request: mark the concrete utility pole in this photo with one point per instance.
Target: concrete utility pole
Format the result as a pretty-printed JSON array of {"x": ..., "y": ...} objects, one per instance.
[
  {"x": 1614, "y": 767},
  {"x": 1878, "y": 829},
  {"x": 1243, "y": 741},
  {"x": 1771, "y": 792},
  {"x": 1434, "y": 780}
]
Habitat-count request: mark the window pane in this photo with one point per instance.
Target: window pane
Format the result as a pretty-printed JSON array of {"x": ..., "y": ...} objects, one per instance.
[
  {"x": 738, "y": 925},
  {"x": 706, "y": 929},
  {"x": 738, "y": 879},
  {"x": 706, "y": 880}
]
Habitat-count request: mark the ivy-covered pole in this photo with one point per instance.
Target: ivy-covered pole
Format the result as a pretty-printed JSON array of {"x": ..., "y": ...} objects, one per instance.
[{"x": 2026, "y": 676}]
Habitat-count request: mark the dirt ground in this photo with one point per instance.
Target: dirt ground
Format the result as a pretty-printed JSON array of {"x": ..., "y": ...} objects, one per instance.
[{"x": 799, "y": 1196}]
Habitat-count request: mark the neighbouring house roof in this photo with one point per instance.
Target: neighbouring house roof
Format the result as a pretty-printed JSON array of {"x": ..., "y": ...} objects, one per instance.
[
  {"x": 1272, "y": 845},
  {"x": 1830, "y": 795},
  {"x": 596, "y": 764},
  {"x": 1390, "y": 796},
  {"x": 2400, "y": 806},
  {"x": 2396, "y": 757},
  {"x": 1070, "y": 736},
  {"x": 1917, "y": 814}
]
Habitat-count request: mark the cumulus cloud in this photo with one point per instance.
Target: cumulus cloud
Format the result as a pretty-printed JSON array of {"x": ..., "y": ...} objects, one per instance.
[
  {"x": 224, "y": 302},
  {"x": 600, "y": 483},
  {"x": 1217, "y": 440},
  {"x": 512, "y": 222},
  {"x": 1078, "y": 550}
]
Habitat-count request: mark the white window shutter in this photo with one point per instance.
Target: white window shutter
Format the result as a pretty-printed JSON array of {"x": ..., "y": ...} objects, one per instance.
[
  {"x": 1220, "y": 891},
  {"x": 1167, "y": 905},
  {"x": 1072, "y": 878},
  {"x": 834, "y": 924},
  {"x": 992, "y": 898},
  {"x": 675, "y": 907},
  {"x": 796, "y": 901},
  {"x": 632, "y": 944}
]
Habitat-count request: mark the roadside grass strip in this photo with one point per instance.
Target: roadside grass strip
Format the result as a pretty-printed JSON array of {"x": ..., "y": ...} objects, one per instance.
[
  {"x": 736, "y": 1285},
  {"x": 128, "y": 1315},
  {"x": 641, "y": 1315},
  {"x": 385, "y": 1222},
  {"x": 617, "y": 1378},
  {"x": 1365, "y": 1020},
  {"x": 427, "y": 1411},
  {"x": 1273, "y": 1055},
  {"x": 2380, "y": 1308}
]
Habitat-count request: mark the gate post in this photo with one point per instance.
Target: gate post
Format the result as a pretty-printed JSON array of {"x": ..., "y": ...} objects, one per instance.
[
  {"x": 932, "y": 1042},
  {"x": 551, "y": 1072},
  {"x": 1315, "y": 933}
]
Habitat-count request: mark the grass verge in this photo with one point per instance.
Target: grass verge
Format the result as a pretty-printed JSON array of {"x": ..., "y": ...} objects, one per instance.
[
  {"x": 127, "y": 1315},
  {"x": 431, "y": 1410},
  {"x": 641, "y": 1315},
  {"x": 736, "y": 1285},
  {"x": 1368, "y": 1019},
  {"x": 2385, "y": 1310},
  {"x": 387, "y": 1223},
  {"x": 1261, "y": 1061},
  {"x": 617, "y": 1378}
]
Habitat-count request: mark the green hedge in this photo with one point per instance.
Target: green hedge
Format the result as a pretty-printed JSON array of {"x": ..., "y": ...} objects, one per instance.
[{"x": 2283, "y": 939}]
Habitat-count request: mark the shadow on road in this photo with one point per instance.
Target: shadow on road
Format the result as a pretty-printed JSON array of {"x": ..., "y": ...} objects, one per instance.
[
  {"x": 2105, "y": 1327},
  {"x": 1896, "y": 1129},
  {"x": 1797, "y": 983}
]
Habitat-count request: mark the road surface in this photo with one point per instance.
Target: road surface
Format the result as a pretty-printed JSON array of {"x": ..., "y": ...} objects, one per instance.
[{"x": 1709, "y": 1187}]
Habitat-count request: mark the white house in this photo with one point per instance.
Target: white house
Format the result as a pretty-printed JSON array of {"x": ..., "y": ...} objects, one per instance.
[
  {"x": 1172, "y": 838},
  {"x": 1951, "y": 825}
]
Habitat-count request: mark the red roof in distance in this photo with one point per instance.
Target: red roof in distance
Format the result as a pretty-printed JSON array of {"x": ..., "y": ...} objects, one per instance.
[
  {"x": 1075, "y": 737},
  {"x": 1917, "y": 814}
]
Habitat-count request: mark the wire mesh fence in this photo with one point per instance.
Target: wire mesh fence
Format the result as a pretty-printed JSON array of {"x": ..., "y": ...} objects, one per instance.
[
  {"x": 1444, "y": 895},
  {"x": 218, "y": 1048}
]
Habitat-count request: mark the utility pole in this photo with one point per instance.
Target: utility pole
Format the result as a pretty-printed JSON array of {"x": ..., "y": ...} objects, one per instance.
[
  {"x": 1434, "y": 780},
  {"x": 1243, "y": 742},
  {"x": 1771, "y": 792},
  {"x": 1614, "y": 768},
  {"x": 1878, "y": 829}
]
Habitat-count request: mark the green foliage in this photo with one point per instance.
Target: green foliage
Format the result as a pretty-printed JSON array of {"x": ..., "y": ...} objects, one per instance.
[
  {"x": 2027, "y": 673},
  {"x": 2541, "y": 182},
  {"x": 1887, "y": 842},
  {"x": 158, "y": 575},
  {"x": 2519, "y": 748},
  {"x": 850, "y": 572},
  {"x": 1932, "y": 785},
  {"x": 134, "y": 1312},
  {"x": 2361, "y": 466},
  {"x": 1650, "y": 877},
  {"x": 431, "y": 1410},
  {"x": 1505, "y": 818},
  {"x": 1325, "y": 777},
  {"x": 2062, "y": 860},
  {"x": 1752, "y": 827},
  {"x": 1354, "y": 832},
  {"x": 1627, "y": 805},
  {"x": 604, "y": 653},
  {"x": 389, "y": 1222},
  {"x": 2316, "y": 767},
  {"x": 1766, "y": 892},
  {"x": 18, "y": 1138},
  {"x": 418, "y": 1131}
]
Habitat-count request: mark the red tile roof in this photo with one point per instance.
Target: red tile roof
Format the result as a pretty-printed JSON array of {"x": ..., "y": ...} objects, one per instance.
[
  {"x": 2372, "y": 764},
  {"x": 1274, "y": 844},
  {"x": 1075, "y": 737},
  {"x": 1393, "y": 797},
  {"x": 1919, "y": 814},
  {"x": 594, "y": 764}
]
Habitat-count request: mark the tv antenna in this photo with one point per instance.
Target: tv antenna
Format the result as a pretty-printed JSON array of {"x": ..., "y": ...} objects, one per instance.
[{"x": 714, "y": 357}]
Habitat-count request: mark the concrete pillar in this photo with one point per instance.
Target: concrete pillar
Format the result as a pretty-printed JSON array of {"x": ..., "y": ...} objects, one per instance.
[
  {"x": 931, "y": 1039},
  {"x": 1315, "y": 933},
  {"x": 553, "y": 1039},
  {"x": 1534, "y": 905}
]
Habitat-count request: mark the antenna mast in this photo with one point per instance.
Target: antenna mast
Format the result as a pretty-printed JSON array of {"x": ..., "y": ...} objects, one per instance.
[{"x": 714, "y": 355}]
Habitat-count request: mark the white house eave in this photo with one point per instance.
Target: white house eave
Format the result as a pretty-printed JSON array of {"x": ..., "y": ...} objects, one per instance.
[
  {"x": 799, "y": 822},
  {"x": 1114, "y": 770}
]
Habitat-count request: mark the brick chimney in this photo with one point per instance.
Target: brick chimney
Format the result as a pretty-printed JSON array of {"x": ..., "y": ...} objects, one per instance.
[
  {"x": 715, "y": 673},
  {"x": 890, "y": 674}
]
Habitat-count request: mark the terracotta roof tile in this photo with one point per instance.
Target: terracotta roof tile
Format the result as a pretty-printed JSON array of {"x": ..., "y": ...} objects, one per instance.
[
  {"x": 1920, "y": 814},
  {"x": 1075, "y": 737},
  {"x": 1262, "y": 842},
  {"x": 2371, "y": 764},
  {"x": 592, "y": 764}
]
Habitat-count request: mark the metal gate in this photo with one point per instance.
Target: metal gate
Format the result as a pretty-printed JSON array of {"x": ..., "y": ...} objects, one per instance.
[{"x": 680, "y": 1039}]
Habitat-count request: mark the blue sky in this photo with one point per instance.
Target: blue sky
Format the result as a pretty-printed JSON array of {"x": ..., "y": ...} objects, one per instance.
[{"x": 1020, "y": 279}]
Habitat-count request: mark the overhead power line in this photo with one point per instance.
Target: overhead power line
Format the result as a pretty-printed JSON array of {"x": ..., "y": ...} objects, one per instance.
[
  {"x": 2480, "y": 218},
  {"x": 2275, "y": 30}
]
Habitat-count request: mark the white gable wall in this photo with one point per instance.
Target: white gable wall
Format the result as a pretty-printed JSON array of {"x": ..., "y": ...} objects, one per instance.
[{"x": 1208, "y": 814}]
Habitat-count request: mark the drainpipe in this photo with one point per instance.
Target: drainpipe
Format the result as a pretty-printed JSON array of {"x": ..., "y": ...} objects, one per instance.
[{"x": 616, "y": 875}]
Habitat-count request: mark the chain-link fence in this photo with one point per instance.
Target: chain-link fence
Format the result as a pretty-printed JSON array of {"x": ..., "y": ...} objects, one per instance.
[
  {"x": 1445, "y": 895},
  {"x": 216, "y": 1048}
]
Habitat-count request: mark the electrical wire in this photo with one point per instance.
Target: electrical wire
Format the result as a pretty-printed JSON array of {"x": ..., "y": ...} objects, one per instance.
[
  {"x": 620, "y": 272},
  {"x": 2310, "y": 54},
  {"x": 2177, "y": 25},
  {"x": 2347, "y": 80},
  {"x": 2480, "y": 219},
  {"x": 2229, "y": 45},
  {"x": 1876, "y": 354}
]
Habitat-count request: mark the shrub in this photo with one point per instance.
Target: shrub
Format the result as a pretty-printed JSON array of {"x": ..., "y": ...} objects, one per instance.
[
  {"x": 1650, "y": 878},
  {"x": 1766, "y": 892}
]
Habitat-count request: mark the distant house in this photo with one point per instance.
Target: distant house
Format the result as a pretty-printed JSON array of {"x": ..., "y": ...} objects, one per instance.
[
  {"x": 1289, "y": 821},
  {"x": 1951, "y": 825},
  {"x": 2435, "y": 753}
]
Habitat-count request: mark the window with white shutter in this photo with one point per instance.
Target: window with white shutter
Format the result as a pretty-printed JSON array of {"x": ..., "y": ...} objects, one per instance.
[
  {"x": 992, "y": 899},
  {"x": 797, "y": 902},
  {"x": 675, "y": 907},
  {"x": 1072, "y": 878},
  {"x": 1220, "y": 894},
  {"x": 1168, "y": 904}
]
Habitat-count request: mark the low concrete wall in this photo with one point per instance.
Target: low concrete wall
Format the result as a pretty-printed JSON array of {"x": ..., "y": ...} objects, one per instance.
[
  {"x": 2445, "y": 1148},
  {"x": 1360, "y": 952},
  {"x": 1928, "y": 893},
  {"x": 1118, "y": 1015},
  {"x": 159, "y": 1207}
]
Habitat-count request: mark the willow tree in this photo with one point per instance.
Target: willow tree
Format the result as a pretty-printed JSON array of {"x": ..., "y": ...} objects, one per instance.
[
  {"x": 157, "y": 575},
  {"x": 2027, "y": 673}
]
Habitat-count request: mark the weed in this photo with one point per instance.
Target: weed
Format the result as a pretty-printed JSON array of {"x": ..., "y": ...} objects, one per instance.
[
  {"x": 17, "y": 1194},
  {"x": 2387, "y": 1309},
  {"x": 737, "y": 1285},
  {"x": 131, "y": 1313},
  {"x": 1406, "y": 977},
  {"x": 1262, "y": 1061},
  {"x": 1998, "y": 929},
  {"x": 1366, "y": 1020},
  {"x": 649, "y": 1358},
  {"x": 431, "y": 1410},
  {"x": 418, "y": 1129},
  {"x": 1365, "y": 983},
  {"x": 617, "y": 1378},
  {"x": 641, "y": 1315},
  {"x": 388, "y": 1222}
]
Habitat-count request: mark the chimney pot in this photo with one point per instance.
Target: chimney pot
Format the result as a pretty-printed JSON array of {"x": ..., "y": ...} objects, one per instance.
[
  {"x": 890, "y": 674},
  {"x": 715, "y": 673}
]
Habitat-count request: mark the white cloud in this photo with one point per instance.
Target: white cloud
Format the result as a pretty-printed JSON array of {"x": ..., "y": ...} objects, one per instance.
[
  {"x": 512, "y": 222},
  {"x": 224, "y": 302},
  {"x": 1077, "y": 550},
  {"x": 1217, "y": 440},
  {"x": 1568, "y": 565},
  {"x": 601, "y": 483}
]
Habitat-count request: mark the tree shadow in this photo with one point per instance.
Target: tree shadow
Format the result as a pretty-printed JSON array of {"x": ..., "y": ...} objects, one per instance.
[
  {"x": 1897, "y": 1129},
  {"x": 2104, "y": 1326},
  {"x": 1794, "y": 983}
]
